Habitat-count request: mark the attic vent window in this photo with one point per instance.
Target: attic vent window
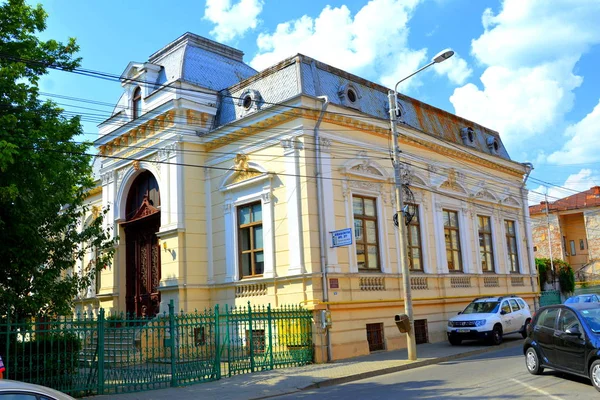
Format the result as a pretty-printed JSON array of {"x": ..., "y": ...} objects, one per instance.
[
  {"x": 351, "y": 96},
  {"x": 247, "y": 102},
  {"x": 468, "y": 135},
  {"x": 493, "y": 145}
]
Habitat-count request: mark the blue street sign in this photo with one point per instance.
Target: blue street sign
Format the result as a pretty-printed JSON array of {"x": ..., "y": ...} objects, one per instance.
[{"x": 343, "y": 237}]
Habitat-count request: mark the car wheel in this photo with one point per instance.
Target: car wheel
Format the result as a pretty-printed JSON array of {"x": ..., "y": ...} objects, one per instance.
[
  {"x": 496, "y": 338},
  {"x": 595, "y": 374},
  {"x": 532, "y": 361},
  {"x": 455, "y": 341},
  {"x": 524, "y": 331}
]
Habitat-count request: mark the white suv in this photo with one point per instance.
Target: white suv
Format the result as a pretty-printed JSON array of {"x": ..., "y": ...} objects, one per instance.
[{"x": 489, "y": 318}]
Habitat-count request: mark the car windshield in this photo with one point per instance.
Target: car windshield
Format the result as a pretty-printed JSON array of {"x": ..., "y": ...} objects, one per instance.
[
  {"x": 482, "y": 307},
  {"x": 592, "y": 317},
  {"x": 580, "y": 299}
]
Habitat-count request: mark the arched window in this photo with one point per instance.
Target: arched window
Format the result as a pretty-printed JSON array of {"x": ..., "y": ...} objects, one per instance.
[
  {"x": 145, "y": 185},
  {"x": 137, "y": 103}
]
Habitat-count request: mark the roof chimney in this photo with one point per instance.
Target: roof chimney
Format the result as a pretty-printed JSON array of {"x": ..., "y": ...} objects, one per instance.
[{"x": 595, "y": 190}]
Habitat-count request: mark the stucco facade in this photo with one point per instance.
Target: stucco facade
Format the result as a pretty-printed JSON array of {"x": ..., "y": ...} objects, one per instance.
[{"x": 254, "y": 170}]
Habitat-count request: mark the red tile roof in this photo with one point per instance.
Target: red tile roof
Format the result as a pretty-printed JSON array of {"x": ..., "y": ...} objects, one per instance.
[{"x": 589, "y": 198}]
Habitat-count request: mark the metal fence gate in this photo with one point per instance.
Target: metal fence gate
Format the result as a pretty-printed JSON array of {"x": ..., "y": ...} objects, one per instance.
[
  {"x": 87, "y": 355},
  {"x": 550, "y": 297}
]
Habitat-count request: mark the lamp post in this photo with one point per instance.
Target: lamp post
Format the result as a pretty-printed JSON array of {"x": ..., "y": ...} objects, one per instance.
[{"x": 393, "y": 98}]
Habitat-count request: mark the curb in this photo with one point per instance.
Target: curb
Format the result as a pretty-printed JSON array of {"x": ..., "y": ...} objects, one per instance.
[{"x": 390, "y": 370}]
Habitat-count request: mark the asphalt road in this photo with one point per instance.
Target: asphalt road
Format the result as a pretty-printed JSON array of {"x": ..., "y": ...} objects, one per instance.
[{"x": 497, "y": 375}]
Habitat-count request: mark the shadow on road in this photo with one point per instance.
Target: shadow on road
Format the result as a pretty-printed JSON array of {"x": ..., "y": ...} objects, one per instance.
[{"x": 429, "y": 389}]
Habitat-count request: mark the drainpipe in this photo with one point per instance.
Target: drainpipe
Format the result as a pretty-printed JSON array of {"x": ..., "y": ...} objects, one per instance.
[
  {"x": 321, "y": 216},
  {"x": 524, "y": 200}
]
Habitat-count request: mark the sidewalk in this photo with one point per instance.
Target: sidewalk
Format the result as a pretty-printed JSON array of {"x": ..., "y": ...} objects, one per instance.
[{"x": 289, "y": 380}]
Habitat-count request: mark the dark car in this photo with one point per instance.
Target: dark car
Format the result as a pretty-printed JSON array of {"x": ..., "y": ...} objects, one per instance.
[
  {"x": 565, "y": 338},
  {"x": 583, "y": 298}
]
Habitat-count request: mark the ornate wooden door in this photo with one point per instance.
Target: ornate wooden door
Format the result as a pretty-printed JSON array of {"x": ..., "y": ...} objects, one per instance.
[{"x": 143, "y": 267}]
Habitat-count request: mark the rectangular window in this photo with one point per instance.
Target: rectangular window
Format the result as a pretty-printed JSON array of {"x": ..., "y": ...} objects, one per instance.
[
  {"x": 451, "y": 233},
  {"x": 486, "y": 249},
  {"x": 572, "y": 244},
  {"x": 250, "y": 240},
  {"x": 414, "y": 239},
  {"x": 365, "y": 233},
  {"x": 581, "y": 244},
  {"x": 511, "y": 246}
]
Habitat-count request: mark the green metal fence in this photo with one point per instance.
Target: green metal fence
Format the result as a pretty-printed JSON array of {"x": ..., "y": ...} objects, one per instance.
[
  {"x": 550, "y": 297},
  {"x": 87, "y": 355}
]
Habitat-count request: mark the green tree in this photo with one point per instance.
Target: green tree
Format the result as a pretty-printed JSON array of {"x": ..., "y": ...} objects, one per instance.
[{"x": 45, "y": 175}]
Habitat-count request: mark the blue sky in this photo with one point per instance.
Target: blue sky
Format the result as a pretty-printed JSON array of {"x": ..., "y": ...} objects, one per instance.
[{"x": 527, "y": 68}]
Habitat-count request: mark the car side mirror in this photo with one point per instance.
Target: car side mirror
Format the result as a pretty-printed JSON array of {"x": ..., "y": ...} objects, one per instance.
[
  {"x": 573, "y": 331},
  {"x": 460, "y": 312},
  {"x": 503, "y": 312}
]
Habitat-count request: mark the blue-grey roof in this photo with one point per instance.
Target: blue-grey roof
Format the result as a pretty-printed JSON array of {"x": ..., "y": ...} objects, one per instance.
[{"x": 202, "y": 62}]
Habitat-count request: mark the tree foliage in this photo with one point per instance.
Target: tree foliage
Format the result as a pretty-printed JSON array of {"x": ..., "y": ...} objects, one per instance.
[
  {"x": 45, "y": 175},
  {"x": 566, "y": 276}
]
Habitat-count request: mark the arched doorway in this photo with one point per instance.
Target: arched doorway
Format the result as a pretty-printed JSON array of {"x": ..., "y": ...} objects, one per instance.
[{"x": 142, "y": 214}]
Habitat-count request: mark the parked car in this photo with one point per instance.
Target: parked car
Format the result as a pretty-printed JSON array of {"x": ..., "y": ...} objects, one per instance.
[
  {"x": 489, "y": 318},
  {"x": 15, "y": 390},
  {"x": 565, "y": 338},
  {"x": 583, "y": 298}
]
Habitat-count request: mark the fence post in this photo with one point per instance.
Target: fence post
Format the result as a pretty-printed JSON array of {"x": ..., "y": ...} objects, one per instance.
[
  {"x": 251, "y": 344},
  {"x": 270, "y": 330},
  {"x": 228, "y": 339},
  {"x": 217, "y": 344},
  {"x": 100, "y": 345},
  {"x": 172, "y": 343}
]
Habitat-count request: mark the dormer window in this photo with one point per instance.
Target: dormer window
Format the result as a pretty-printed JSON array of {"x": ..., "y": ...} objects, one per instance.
[{"x": 136, "y": 102}]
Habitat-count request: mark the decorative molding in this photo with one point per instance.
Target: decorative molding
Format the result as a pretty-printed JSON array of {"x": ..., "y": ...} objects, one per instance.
[
  {"x": 136, "y": 165},
  {"x": 517, "y": 281},
  {"x": 372, "y": 283},
  {"x": 419, "y": 283},
  {"x": 325, "y": 144},
  {"x": 291, "y": 144},
  {"x": 251, "y": 290},
  {"x": 266, "y": 197},
  {"x": 362, "y": 185},
  {"x": 460, "y": 282},
  {"x": 165, "y": 152},
  {"x": 491, "y": 281},
  {"x": 107, "y": 178},
  {"x": 227, "y": 208}
]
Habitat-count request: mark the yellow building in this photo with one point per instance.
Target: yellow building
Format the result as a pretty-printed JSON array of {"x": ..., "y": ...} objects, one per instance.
[{"x": 224, "y": 186}]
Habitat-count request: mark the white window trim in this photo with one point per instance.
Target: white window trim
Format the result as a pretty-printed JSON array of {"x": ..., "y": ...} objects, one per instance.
[
  {"x": 239, "y": 194},
  {"x": 496, "y": 269},
  {"x": 462, "y": 233},
  {"x": 383, "y": 247},
  {"x": 519, "y": 247},
  {"x": 423, "y": 237}
]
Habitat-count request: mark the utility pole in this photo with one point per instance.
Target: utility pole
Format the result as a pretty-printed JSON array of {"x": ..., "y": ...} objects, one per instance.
[
  {"x": 411, "y": 344},
  {"x": 549, "y": 242}
]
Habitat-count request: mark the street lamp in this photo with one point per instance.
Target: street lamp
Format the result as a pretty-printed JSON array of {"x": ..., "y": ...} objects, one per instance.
[{"x": 393, "y": 98}]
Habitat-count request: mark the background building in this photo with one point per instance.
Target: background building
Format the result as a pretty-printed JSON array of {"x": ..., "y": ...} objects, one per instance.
[
  {"x": 570, "y": 225},
  {"x": 224, "y": 185}
]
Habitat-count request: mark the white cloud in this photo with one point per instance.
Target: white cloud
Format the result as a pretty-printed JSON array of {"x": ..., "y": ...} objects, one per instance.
[
  {"x": 529, "y": 49},
  {"x": 232, "y": 20},
  {"x": 373, "y": 44},
  {"x": 579, "y": 182},
  {"x": 455, "y": 68},
  {"x": 583, "y": 145}
]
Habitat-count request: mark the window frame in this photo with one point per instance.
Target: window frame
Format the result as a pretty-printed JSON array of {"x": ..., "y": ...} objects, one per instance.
[
  {"x": 409, "y": 238},
  {"x": 136, "y": 102},
  {"x": 482, "y": 234},
  {"x": 251, "y": 226},
  {"x": 508, "y": 237},
  {"x": 363, "y": 217},
  {"x": 458, "y": 249}
]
